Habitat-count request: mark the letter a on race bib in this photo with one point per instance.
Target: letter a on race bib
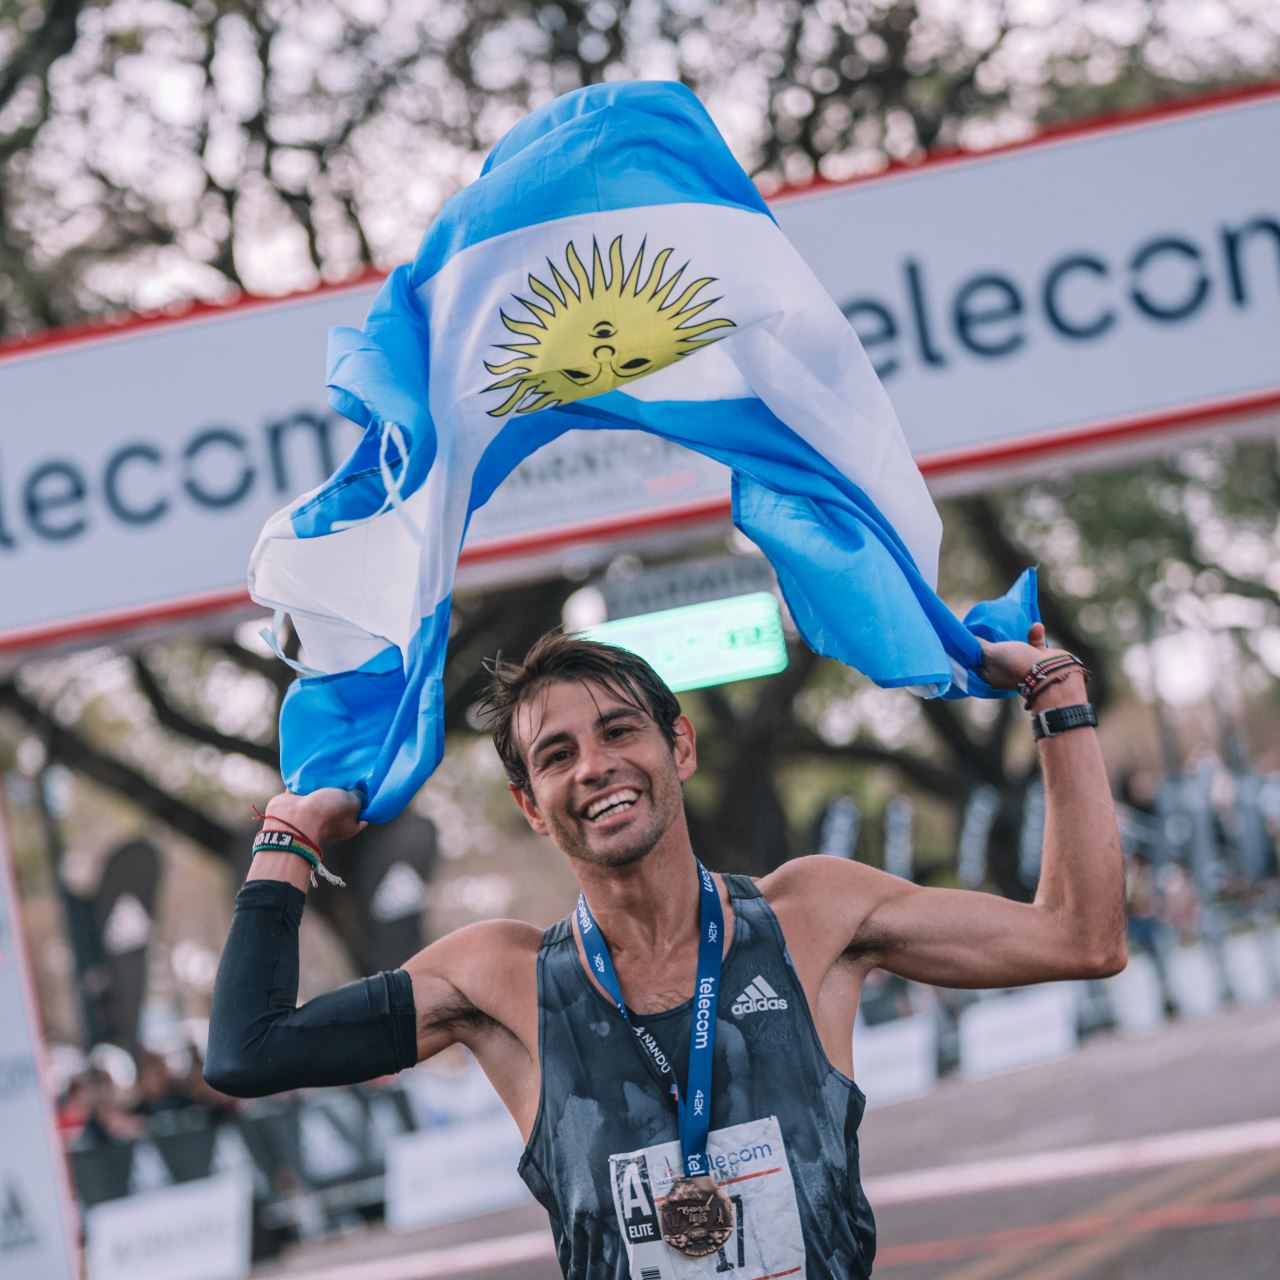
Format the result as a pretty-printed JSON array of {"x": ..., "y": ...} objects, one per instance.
[{"x": 635, "y": 1200}]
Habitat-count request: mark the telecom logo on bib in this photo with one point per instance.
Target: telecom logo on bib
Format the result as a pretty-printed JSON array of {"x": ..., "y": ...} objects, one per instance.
[{"x": 759, "y": 997}]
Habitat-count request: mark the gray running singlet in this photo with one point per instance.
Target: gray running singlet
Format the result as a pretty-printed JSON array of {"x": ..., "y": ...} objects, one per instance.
[{"x": 784, "y": 1141}]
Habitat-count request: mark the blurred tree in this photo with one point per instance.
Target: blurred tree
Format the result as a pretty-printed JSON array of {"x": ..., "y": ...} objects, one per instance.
[{"x": 151, "y": 154}]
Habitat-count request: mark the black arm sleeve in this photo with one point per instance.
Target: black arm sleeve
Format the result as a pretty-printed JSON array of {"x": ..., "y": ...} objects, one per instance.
[{"x": 260, "y": 1043}]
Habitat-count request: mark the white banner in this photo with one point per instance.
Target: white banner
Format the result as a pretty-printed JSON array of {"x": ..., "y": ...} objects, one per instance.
[
  {"x": 1098, "y": 287},
  {"x": 1106, "y": 278},
  {"x": 440, "y": 1175},
  {"x": 36, "y": 1220},
  {"x": 193, "y": 1231}
]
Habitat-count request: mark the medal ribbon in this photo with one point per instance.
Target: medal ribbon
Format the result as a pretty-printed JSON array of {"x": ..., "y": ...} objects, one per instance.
[{"x": 693, "y": 1114}]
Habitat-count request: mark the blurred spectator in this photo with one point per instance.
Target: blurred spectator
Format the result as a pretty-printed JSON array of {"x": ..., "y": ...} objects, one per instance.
[
  {"x": 92, "y": 1111},
  {"x": 156, "y": 1090},
  {"x": 1145, "y": 927},
  {"x": 885, "y": 996},
  {"x": 217, "y": 1106},
  {"x": 1179, "y": 901},
  {"x": 74, "y": 1108}
]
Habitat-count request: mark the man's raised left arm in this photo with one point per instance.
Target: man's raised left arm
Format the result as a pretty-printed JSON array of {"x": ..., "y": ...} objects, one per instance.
[{"x": 960, "y": 938}]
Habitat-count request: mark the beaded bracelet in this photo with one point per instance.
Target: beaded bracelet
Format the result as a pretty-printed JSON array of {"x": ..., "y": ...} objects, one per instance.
[{"x": 1046, "y": 672}]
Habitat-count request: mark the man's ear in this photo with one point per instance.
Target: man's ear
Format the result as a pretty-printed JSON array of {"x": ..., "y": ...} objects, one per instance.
[
  {"x": 529, "y": 807},
  {"x": 685, "y": 748}
]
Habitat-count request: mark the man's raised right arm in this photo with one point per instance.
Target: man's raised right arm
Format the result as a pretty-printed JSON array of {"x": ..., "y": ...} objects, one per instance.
[{"x": 261, "y": 1041}]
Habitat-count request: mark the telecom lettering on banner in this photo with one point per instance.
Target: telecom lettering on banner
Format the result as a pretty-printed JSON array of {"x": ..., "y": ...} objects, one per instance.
[
  {"x": 1096, "y": 281},
  {"x": 1100, "y": 286},
  {"x": 36, "y": 1230}
]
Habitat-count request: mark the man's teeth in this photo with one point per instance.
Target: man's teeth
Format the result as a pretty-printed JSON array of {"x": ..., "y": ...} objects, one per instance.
[{"x": 608, "y": 804}]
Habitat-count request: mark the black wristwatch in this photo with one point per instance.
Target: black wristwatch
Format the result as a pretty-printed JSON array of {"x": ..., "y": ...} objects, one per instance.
[{"x": 1056, "y": 720}]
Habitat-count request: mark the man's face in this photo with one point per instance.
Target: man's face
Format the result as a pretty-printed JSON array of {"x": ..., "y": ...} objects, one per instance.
[{"x": 606, "y": 784}]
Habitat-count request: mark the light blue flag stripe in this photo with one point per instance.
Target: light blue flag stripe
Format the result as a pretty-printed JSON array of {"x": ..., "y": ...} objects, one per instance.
[{"x": 852, "y": 584}]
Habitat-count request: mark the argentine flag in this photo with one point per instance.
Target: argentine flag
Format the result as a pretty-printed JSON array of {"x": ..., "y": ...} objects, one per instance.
[{"x": 613, "y": 266}]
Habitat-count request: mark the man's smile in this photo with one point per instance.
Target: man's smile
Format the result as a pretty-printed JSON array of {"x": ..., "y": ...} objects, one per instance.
[{"x": 610, "y": 804}]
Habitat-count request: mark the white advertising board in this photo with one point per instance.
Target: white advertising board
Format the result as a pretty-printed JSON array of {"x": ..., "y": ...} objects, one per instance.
[
  {"x": 1018, "y": 1029},
  {"x": 896, "y": 1060},
  {"x": 440, "y": 1175},
  {"x": 193, "y": 1231},
  {"x": 1096, "y": 288},
  {"x": 37, "y": 1227},
  {"x": 1137, "y": 1003}
]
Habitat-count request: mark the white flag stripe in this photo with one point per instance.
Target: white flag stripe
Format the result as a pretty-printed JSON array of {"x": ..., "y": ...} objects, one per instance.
[{"x": 470, "y": 292}]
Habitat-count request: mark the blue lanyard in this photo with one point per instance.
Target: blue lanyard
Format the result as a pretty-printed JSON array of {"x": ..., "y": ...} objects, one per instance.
[{"x": 694, "y": 1116}]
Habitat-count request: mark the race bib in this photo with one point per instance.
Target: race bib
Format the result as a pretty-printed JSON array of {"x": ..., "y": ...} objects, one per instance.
[{"x": 750, "y": 1162}]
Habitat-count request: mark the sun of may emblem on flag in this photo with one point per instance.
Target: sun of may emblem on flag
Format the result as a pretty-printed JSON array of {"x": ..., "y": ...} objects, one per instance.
[{"x": 609, "y": 325}]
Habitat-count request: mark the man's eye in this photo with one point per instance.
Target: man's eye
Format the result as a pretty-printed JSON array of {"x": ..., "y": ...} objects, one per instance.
[{"x": 616, "y": 729}]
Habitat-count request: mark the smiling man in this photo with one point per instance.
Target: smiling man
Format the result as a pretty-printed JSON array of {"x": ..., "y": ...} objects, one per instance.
[{"x": 676, "y": 1051}]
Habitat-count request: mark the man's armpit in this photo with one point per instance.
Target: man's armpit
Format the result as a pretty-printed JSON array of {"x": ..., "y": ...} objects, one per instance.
[
  {"x": 872, "y": 942},
  {"x": 457, "y": 1019}
]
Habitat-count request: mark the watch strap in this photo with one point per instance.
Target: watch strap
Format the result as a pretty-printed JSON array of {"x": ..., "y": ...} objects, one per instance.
[{"x": 1056, "y": 720}]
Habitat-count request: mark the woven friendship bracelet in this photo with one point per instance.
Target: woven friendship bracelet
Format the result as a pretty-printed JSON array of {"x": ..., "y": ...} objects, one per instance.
[
  {"x": 284, "y": 822},
  {"x": 1046, "y": 672},
  {"x": 287, "y": 842}
]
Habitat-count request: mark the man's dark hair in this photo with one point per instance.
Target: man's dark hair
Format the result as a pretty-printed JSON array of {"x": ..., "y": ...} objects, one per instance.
[{"x": 557, "y": 656}]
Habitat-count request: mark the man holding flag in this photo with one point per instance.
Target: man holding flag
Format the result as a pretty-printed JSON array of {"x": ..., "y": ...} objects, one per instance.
[{"x": 677, "y": 1051}]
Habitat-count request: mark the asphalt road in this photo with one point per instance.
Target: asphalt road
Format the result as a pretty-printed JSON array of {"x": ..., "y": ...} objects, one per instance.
[{"x": 1134, "y": 1159}]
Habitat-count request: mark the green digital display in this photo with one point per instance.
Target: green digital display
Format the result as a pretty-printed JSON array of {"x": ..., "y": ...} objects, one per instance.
[{"x": 698, "y": 645}]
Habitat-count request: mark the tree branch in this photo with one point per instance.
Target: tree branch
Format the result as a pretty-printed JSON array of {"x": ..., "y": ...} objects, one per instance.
[
  {"x": 55, "y": 36},
  {"x": 270, "y": 669},
  {"x": 77, "y": 753},
  {"x": 799, "y": 741},
  {"x": 168, "y": 714}
]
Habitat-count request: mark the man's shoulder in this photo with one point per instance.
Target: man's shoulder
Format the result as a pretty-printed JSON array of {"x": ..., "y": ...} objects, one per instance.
[
  {"x": 811, "y": 878},
  {"x": 491, "y": 965},
  {"x": 479, "y": 950},
  {"x": 494, "y": 939},
  {"x": 821, "y": 902}
]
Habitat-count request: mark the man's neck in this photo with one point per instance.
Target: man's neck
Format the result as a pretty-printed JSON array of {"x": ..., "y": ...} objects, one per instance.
[{"x": 649, "y": 907}]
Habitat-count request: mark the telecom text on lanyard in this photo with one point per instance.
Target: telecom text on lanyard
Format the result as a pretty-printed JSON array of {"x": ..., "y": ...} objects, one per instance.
[{"x": 694, "y": 1112}]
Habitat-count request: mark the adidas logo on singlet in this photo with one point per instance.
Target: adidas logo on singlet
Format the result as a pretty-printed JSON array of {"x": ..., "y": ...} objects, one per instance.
[{"x": 759, "y": 997}]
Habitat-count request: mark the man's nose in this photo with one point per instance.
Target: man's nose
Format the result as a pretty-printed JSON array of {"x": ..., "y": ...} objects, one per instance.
[{"x": 595, "y": 761}]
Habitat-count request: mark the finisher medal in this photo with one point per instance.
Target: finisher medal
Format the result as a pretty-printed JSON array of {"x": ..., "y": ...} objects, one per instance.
[{"x": 696, "y": 1216}]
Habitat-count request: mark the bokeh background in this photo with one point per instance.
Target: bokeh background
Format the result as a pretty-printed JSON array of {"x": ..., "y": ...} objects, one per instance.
[{"x": 156, "y": 154}]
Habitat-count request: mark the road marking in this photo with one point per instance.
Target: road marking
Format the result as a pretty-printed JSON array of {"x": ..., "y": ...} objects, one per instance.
[
  {"x": 1024, "y": 1243},
  {"x": 1113, "y": 1227},
  {"x": 437, "y": 1264},
  {"x": 1188, "y": 1211},
  {"x": 1074, "y": 1162}
]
